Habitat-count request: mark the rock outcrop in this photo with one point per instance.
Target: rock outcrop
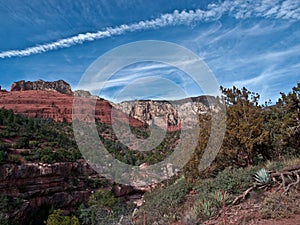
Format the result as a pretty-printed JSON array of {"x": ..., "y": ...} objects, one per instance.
[
  {"x": 54, "y": 100},
  {"x": 82, "y": 93},
  {"x": 61, "y": 185},
  {"x": 59, "y": 107},
  {"x": 57, "y": 86},
  {"x": 167, "y": 114}
]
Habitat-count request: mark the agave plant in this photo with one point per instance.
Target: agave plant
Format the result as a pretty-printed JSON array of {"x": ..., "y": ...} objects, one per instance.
[
  {"x": 218, "y": 197},
  {"x": 262, "y": 177},
  {"x": 207, "y": 208}
]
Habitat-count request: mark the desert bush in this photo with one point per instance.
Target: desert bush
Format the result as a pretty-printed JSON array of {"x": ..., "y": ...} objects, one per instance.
[
  {"x": 164, "y": 204},
  {"x": 103, "y": 208},
  {"x": 232, "y": 180},
  {"x": 56, "y": 218},
  {"x": 22, "y": 142},
  {"x": 276, "y": 205},
  {"x": 207, "y": 205}
]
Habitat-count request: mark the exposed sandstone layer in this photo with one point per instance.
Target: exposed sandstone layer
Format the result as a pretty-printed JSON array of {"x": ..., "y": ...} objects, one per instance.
[
  {"x": 58, "y": 106},
  {"x": 40, "y": 99},
  {"x": 169, "y": 115}
]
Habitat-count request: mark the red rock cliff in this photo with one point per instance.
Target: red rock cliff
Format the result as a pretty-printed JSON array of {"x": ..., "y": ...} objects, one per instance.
[{"x": 58, "y": 106}]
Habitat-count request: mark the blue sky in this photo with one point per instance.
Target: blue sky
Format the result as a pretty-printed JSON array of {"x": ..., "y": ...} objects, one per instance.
[{"x": 253, "y": 43}]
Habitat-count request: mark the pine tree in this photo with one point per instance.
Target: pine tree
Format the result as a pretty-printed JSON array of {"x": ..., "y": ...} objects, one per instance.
[
  {"x": 284, "y": 124},
  {"x": 245, "y": 133}
]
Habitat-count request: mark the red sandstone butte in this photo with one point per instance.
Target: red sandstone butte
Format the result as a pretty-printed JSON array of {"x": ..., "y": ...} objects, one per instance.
[{"x": 58, "y": 106}]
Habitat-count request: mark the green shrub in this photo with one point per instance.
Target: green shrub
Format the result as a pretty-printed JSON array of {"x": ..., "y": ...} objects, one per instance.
[
  {"x": 22, "y": 142},
  {"x": 164, "y": 204},
  {"x": 209, "y": 199},
  {"x": 207, "y": 204},
  {"x": 3, "y": 155},
  {"x": 204, "y": 208},
  {"x": 217, "y": 197},
  {"x": 7, "y": 205},
  {"x": 103, "y": 208},
  {"x": 234, "y": 181},
  {"x": 14, "y": 158},
  {"x": 57, "y": 218}
]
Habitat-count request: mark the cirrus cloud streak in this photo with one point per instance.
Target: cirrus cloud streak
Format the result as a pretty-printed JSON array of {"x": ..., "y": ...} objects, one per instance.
[{"x": 239, "y": 9}]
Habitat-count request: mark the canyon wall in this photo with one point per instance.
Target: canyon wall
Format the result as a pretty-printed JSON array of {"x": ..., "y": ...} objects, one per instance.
[
  {"x": 60, "y": 185},
  {"x": 169, "y": 115}
]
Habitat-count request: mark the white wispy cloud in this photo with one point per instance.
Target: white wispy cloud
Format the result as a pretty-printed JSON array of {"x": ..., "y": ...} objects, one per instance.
[
  {"x": 288, "y": 9},
  {"x": 270, "y": 82},
  {"x": 267, "y": 74},
  {"x": 127, "y": 75},
  {"x": 271, "y": 73}
]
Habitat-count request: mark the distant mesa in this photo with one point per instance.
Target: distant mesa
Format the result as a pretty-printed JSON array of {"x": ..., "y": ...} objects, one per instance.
[
  {"x": 58, "y": 86},
  {"x": 54, "y": 100}
]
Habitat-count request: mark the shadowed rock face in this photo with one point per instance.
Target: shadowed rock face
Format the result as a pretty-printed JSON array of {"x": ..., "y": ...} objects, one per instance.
[
  {"x": 61, "y": 185},
  {"x": 58, "y": 86}
]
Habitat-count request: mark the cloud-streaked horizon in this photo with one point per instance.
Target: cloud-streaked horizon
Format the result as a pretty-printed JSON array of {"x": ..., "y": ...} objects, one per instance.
[
  {"x": 287, "y": 10},
  {"x": 245, "y": 43}
]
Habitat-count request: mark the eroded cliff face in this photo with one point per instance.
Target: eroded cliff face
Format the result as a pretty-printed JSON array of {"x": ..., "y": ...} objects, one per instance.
[
  {"x": 54, "y": 100},
  {"x": 61, "y": 185},
  {"x": 59, "y": 107},
  {"x": 169, "y": 115},
  {"x": 57, "y": 86}
]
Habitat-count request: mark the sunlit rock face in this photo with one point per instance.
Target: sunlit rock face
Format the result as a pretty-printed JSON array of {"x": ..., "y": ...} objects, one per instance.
[
  {"x": 48, "y": 104},
  {"x": 170, "y": 115},
  {"x": 57, "y": 86}
]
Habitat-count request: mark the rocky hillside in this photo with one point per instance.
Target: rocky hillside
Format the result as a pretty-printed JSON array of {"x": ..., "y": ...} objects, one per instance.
[{"x": 41, "y": 167}]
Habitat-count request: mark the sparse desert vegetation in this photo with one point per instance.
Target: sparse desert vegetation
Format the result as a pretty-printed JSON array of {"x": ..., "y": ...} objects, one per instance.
[{"x": 258, "y": 166}]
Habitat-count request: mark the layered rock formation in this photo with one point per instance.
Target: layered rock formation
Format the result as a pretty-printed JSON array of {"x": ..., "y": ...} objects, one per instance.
[
  {"x": 54, "y": 100},
  {"x": 61, "y": 185},
  {"x": 57, "y": 86},
  {"x": 58, "y": 106},
  {"x": 167, "y": 114}
]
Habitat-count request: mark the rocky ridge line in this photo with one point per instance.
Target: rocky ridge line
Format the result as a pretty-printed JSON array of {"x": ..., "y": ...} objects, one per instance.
[{"x": 58, "y": 86}]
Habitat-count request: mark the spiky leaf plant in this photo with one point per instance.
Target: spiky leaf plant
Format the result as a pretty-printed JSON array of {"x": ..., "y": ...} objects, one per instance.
[
  {"x": 218, "y": 197},
  {"x": 262, "y": 177}
]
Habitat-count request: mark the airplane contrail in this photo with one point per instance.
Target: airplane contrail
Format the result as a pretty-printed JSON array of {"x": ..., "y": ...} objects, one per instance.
[{"x": 288, "y": 9}]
